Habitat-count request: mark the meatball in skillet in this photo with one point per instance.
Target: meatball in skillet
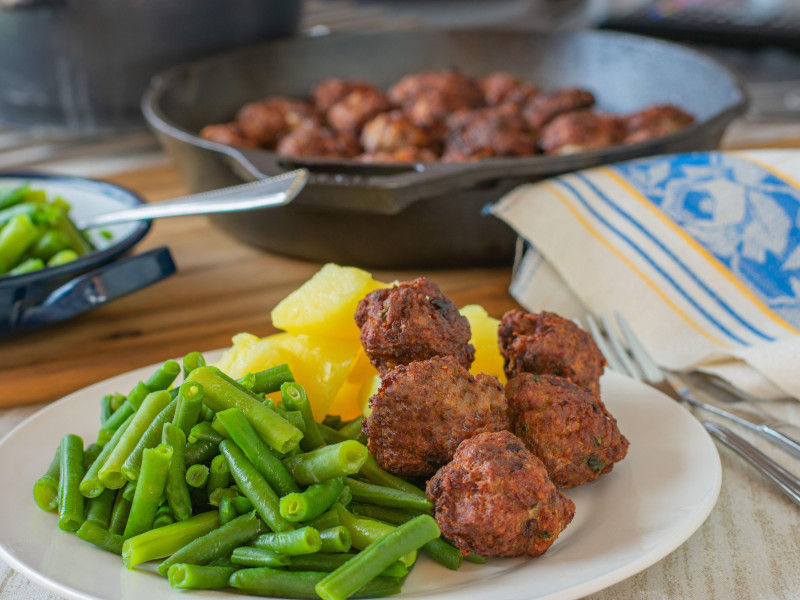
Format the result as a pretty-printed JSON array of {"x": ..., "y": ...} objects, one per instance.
[
  {"x": 545, "y": 107},
  {"x": 227, "y": 133},
  {"x": 358, "y": 107},
  {"x": 501, "y": 88},
  {"x": 427, "y": 98},
  {"x": 546, "y": 343},
  {"x": 566, "y": 426},
  {"x": 391, "y": 131},
  {"x": 496, "y": 499},
  {"x": 332, "y": 89},
  {"x": 581, "y": 130},
  {"x": 655, "y": 121},
  {"x": 412, "y": 321},
  {"x": 267, "y": 120},
  {"x": 488, "y": 132},
  {"x": 317, "y": 141},
  {"x": 423, "y": 410}
]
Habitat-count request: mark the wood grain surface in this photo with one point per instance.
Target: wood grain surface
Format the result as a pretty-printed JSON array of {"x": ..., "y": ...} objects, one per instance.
[{"x": 222, "y": 287}]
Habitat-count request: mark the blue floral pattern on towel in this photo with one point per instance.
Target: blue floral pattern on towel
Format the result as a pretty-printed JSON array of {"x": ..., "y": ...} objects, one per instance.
[{"x": 744, "y": 215}]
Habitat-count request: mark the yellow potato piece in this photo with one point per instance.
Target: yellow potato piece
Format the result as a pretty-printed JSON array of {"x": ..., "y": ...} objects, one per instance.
[
  {"x": 349, "y": 402},
  {"x": 325, "y": 305},
  {"x": 319, "y": 364},
  {"x": 484, "y": 337}
]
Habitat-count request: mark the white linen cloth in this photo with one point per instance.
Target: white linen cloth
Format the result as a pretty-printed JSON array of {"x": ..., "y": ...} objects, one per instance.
[{"x": 700, "y": 252}]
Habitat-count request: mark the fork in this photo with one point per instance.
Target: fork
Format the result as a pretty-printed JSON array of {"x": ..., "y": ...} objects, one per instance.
[{"x": 629, "y": 357}]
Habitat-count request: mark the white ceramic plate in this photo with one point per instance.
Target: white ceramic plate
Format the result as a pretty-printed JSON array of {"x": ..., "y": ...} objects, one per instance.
[{"x": 632, "y": 517}]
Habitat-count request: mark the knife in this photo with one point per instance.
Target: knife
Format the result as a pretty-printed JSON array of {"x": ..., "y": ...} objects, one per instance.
[{"x": 721, "y": 400}]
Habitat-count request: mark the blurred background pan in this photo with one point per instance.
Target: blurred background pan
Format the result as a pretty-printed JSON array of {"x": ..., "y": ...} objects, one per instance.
[{"x": 430, "y": 214}]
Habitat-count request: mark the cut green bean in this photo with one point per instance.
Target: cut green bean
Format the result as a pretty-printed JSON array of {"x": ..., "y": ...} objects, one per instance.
[
  {"x": 312, "y": 502},
  {"x": 332, "y": 421},
  {"x": 177, "y": 490},
  {"x": 215, "y": 497},
  {"x": 164, "y": 376},
  {"x": 192, "y": 361},
  {"x": 163, "y": 519},
  {"x": 98, "y": 509},
  {"x": 218, "y": 543},
  {"x": 247, "y": 381},
  {"x": 117, "y": 400},
  {"x": 326, "y": 520},
  {"x": 338, "y": 460},
  {"x": 13, "y": 196},
  {"x": 222, "y": 393},
  {"x": 151, "y": 438},
  {"x": 62, "y": 257},
  {"x": 364, "y": 532},
  {"x": 28, "y": 265},
  {"x": 254, "y": 486},
  {"x": 160, "y": 543},
  {"x": 345, "y": 497},
  {"x": 476, "y": 559},
  {"x": 331, "y": 436},
  {"x": 190, "y": 402},
  {"x": 119, "y": 514},
  {"x": 219, "y": 475},
  {"x": 197, "y": 577},
  {"x": 257, "y": 452},
  {"x": 111, "y": 472},
  {"x": 130, "y": 406},
  {"x": 200, "y": 452},
  {"x": 394, "y": 516},
  {"x": 227, "y": 512},
  {"x": 265, "y": 581},
  {"x": 335, "y": 539},
  {"x": 197, "y": 476},
  {"x": 241, "y": 504},
  {"x": 45, "y": 490},
  {"x": 300, "y": 541},
  {"x": 70, "y": 499},
  {"x": 129, "y": 490},
  {"x": 368, "y": 564},
  {"x": 105, "y": 408},
  {"x": 91, "y": 485},
  {"x": 203, "y": 431},
  {"x": 330, "y": 562},
  {"x": 271, "y": 380},
  {"x": 15, "y": 238},
  {"x": 149, "y": 490},
  {"x": 249, "y": 556},
  {"x": 102, "y": 538},
  {"x": 386, "y": 496},
  {"x": 352, "y": 429},
  {"x": 373, "y": 473},
  {"x": 295, "y": 398}
]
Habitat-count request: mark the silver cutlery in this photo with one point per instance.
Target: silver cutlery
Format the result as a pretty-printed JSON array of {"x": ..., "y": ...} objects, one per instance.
[
  {"x": 629, "y": 357},
  {"x": 264, "y": 193}
]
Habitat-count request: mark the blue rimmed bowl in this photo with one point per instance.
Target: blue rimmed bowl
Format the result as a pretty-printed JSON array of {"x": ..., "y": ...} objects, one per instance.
[{"x": 54, "y": 294}]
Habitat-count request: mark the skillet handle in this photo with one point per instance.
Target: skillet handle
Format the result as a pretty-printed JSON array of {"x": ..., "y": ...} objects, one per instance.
[{"x": 98, "y": 287}]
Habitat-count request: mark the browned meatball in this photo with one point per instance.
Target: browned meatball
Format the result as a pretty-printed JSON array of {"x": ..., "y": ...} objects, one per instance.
[
  {"x": 488, "y": 132},
  {"x": 547, "y": 343},
  {"x": 496, "y": 499},
  {"x": 423, "y": 410},
  {"x": 329, "y": 91},
  {"x": 391, "y": 131},
  {"x": 412, "y": 321},
  {"x": 266, "y": 121},
  {"x": 428, "y": 98},
  {"x": 228, "y": 134},
  {"x": 401, "y": 155},
  {"x": 581, "y": 130},
  {"x": 566, "y": 426},
  {"x": 543, "y": 108},
  {"x": 655, "y": 121},
  {"x": 357, "y": 108},
  {"x": 502, "y": 88},
  {"x": 320, "y": 142}
]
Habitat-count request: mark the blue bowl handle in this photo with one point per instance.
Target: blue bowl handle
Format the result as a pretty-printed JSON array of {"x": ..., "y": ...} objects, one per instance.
[{"x": 96, "y": 288}]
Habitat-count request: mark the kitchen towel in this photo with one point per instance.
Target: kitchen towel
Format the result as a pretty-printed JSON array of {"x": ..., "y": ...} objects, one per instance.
[{"x": 700, "y": 252}]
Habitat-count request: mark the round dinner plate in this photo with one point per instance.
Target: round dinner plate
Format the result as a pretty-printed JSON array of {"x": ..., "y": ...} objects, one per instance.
[{"x": 629, "y": 519}]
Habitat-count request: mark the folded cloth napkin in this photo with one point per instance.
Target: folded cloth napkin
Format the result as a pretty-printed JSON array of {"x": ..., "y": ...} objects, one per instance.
[{"x": 700, "y": 252}]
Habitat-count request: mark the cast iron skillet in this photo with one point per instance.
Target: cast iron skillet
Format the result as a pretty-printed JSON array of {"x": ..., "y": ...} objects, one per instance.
[{"x": 430, "y": 214}]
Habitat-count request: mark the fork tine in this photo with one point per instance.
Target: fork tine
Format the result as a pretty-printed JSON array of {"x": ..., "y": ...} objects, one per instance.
[
  {"x": 650, "y": 370},
  {"x": 619, "y": 347}
]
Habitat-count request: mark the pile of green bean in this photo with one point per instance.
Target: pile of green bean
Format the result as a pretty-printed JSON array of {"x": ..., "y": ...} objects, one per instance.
[
  {"x": 230, "y": 487},
  {"x": 36, "y": 232}
]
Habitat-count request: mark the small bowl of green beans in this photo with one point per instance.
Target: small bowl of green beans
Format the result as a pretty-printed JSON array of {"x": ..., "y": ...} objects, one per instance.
[{"x": 49, "y": 269}]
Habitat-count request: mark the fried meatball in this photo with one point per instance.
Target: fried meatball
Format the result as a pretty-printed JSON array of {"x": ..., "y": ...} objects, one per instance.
[
  {"x": 487, "y": 132},
  {"x": 423, "y": 410},
  {"x": 428, "y": 98},
  {"x": 357, "y": 108},
  {"x": 656, "y": 121},
  {"x": 412, "y": 321},
  {"x": 391, "y": 131},
  {"x": 318, "y": 142},
  {"x": 581, "y": 130},
  {"x": 401, "y": 155},
  {"x": 228, "y": 134},
  {"x": 547, "y": 343},
  {"x": 566, "y": 426},
  {"x": 496, "y": 499},
  {"x": 267, "y": 120},
  {"x": 501, "y": 88},
  {"x": 329, "y": 91},
  {"x": 543, "y": 108}
]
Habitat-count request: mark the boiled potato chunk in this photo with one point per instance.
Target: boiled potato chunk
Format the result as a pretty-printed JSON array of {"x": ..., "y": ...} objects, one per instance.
[
  {"x": 352, "y": 397},
  {"x": 325, "y": 305},
  {"x": 484, "y": 337},
  {"x": 319, "y": 364}
]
